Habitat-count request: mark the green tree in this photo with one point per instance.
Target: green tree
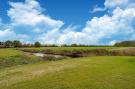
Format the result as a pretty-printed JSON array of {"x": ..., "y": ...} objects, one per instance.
[
  {"x": 125, "y": 44},
  {"x": 17, "y": 43},
  {"x": 8, "y": 43},
  {"x": 37, "y": 44},
  {"x": 74, "y": 45}
]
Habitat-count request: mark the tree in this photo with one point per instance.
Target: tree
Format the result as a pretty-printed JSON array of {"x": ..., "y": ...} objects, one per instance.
[
  {"x": 125, "y": 44},
  {"x": 64, "y": 45},
  {"x": 8, "y": 43},
  {"x": 2, "y": 44},
  {"x": 37, "y": 44},
  {"x": 17, "y": 43},
  {"x": 74, "y": 45}
]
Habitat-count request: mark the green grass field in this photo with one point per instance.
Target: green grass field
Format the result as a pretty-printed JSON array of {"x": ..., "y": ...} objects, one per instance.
[{"x": 101, "y": 72}]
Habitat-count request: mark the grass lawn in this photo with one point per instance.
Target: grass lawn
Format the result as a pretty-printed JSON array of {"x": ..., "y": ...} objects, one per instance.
[{"x": 79, "y": 73}]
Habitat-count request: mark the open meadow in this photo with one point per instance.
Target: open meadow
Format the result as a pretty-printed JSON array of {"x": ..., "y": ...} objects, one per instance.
[{"x": 22, "y": 70}]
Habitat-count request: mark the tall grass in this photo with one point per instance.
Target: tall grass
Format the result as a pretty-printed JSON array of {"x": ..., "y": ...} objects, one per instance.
[{"x": 12, "y": 57}]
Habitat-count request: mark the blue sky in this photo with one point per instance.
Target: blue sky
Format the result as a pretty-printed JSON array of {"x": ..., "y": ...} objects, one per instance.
[{"x": 67, "y": 21}]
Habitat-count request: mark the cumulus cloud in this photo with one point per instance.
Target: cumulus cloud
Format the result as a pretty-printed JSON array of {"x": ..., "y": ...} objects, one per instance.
[
  {"x": 119, "y": 3},
  {"x": 51, "y": 37},
  {"x": 115, "y": 3},
  {"x": 103, "y": 30},
  {"x": 30, "y": 13},
  {"x": 76, "y": 37},
  {"x": 5, "y": 34},
  {"x": 107, "y": 29},
  {"x": 9, "y": 34},
  {"x": 30, "y": 20},
  {"x": 118, "y": 26}
]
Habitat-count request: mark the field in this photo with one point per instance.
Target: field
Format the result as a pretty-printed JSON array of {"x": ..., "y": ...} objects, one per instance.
[
  {"x": 96, "y": 72},
  {"x": 58, "y": 49}
]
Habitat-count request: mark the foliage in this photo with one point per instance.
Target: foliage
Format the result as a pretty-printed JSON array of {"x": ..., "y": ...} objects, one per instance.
[
  {"x": 37, "y": 44},
  {"x": 125, "y": 44},
  {"x": 17, "y": 43},
  {"x": 8, "y": 44}
]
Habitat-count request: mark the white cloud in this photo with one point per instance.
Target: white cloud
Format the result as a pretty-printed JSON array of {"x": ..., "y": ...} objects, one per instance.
[
  {"x": 51, "y": 37},
  {"x": 22, "y": 37},
  {"x": 75, "y": 37},
  {"x": 119, "y": 3},
  {"x": 30, "y": 13},
  {"x": 67, "y": 36},
  {"x": 9, "y": 34},
  {"x": 6, "y": 34},
  {"x": 109, "y": 27},
  {"x": 37, "y": 30},
  {"x": 113, "y": 42},
  {"x": 97, "y": 9},
  {"x": 115, "y": 3},
  {"x": 27, "y": 18},
  {"x": 103, "y": 30}
]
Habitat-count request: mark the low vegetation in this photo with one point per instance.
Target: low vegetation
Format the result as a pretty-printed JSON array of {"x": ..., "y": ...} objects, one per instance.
[
  {"x": 84, "y": 51},
  {"x": 12, "y": 57}
]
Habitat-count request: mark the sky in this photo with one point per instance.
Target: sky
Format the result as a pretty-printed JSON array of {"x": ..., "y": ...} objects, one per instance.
[{"x": 89, "y": 22}]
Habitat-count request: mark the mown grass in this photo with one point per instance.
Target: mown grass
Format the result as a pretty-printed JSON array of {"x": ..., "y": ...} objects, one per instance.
[{"x": 80, "y": 73}]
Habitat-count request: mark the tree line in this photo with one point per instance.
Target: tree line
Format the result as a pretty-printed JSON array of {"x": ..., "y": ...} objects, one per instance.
[
  {"x": 17, "y": 43},
  {"x": 125, "y": 44}
]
